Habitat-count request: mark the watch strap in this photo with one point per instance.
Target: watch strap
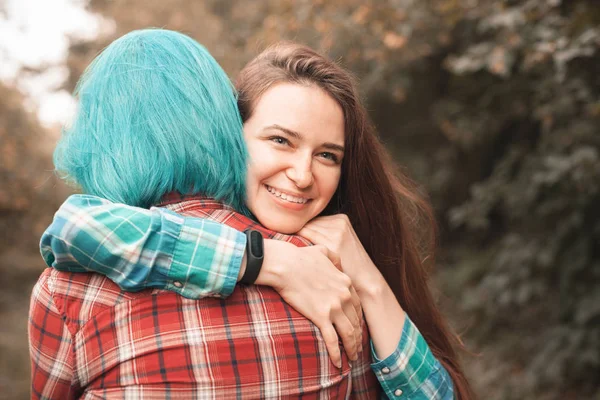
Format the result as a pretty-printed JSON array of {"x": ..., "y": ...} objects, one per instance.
[{"x": 254, "y": 256}]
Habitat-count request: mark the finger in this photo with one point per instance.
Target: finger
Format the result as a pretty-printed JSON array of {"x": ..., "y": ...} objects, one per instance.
[
  {"x": 325, "y": 218},
  {"x": 327, "y": 223},
  {"x": 345, "y": 330},
  {"x": 318, "y": 220},
  {"x": 334, "y": 258},
  {"x": 353, "y": 316},
  {"x": 314, "y": 235},
  {"x": 329, "y": 227},
  {"x": 330, "y": 338},
  {"x": 351, "y": 312},
  {"x": 358, "y": 307},
  {"x": 356, "y": 302},
  {"x": 322, "y": 222}
]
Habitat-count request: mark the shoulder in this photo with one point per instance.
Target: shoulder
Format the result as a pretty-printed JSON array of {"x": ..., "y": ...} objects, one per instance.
[
  {"x": 80, "y": 296},
  {"x": 84, "y": 200},
  {"x": 41, "y": 293}
]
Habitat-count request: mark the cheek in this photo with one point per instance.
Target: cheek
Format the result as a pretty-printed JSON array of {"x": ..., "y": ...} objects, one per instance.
[
  {"x": 250, "y": 183},
  {"x": 255, "y": 164},
  {"x": 262, "y": 166},
  {"x": 254, "y": 179},
  {"x": 329, "y": 183},
  {"x": 253, "y": 187},
  {"x": 265, "y": 162}
]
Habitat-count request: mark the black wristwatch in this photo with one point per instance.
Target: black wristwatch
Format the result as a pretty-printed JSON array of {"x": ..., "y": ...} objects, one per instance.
[{"x": 254, "y": 256}]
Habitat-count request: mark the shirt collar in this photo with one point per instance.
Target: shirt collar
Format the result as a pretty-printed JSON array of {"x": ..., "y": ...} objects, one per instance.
[
  {"x": 205, "y": 202},
  {"x": 200, "y": 206}
]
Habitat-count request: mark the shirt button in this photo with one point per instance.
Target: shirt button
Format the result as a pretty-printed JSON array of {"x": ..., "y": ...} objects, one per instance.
[
  {"x": 178, "y": 284},
  {"x": 398, "y": 393},
  {"x": 385, "y": 370}
]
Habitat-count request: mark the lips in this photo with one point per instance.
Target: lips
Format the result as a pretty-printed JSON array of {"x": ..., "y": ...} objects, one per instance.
[{"x": 287, "y": 196}]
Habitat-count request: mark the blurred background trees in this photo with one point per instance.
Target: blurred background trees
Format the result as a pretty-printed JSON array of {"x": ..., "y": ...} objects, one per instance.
[{"x": 492, "y": 105}]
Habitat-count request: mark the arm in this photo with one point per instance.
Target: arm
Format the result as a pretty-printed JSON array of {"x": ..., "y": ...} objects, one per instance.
[
  {"x": 50, "y": 348},
  {"x": 138, "y": 248},
  {"x": 403, "y": 362},
  {"x": 408, "y": 369}
]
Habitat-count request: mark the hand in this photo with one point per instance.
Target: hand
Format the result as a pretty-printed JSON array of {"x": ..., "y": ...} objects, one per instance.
[
  {"x": 383, "y": 313},
  {"x": 337, "y": 234},
  {"x": 330, "y": 301}
]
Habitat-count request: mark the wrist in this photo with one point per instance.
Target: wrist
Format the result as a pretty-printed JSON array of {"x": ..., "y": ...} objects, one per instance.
[
  {"x": 372, "y": 287},
  {"x": 242, "y": 267},
  {"x": 255, "y": 253},
  {"x": 273, "y": 271}
]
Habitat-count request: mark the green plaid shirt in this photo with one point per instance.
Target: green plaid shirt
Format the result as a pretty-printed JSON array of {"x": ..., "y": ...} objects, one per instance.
[{"x": 138, "y": 248}]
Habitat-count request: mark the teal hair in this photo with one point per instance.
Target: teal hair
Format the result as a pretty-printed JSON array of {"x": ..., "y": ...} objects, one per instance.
[{"x": 156, "y": 114}]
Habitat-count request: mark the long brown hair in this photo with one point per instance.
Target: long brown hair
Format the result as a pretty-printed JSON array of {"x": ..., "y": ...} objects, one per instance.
[{"x": 393, "y": 221}]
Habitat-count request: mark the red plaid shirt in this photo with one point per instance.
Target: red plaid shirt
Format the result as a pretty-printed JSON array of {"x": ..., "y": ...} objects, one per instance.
[{"x": 90, "y": 339}]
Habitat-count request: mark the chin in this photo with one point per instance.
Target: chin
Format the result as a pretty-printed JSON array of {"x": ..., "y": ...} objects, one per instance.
[{"x": 287, "y": 227}]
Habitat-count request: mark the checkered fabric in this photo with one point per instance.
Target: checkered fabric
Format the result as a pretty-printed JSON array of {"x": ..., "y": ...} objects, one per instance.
[
  {"x": 91, "y": 339},
  {"x": 136, "y": 249},
  {"x": 139, "y": 249},
  {"x": 412, "y": 372}
]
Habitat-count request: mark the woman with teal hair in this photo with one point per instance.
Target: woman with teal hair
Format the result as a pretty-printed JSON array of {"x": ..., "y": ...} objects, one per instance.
[{"x": 157, "y": 114}]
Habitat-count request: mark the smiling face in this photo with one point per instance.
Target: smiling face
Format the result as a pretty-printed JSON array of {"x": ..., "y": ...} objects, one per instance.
[{"x": 295, "y": 138}]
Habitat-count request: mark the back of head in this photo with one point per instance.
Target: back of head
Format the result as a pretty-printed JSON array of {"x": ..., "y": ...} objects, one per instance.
[{"x": 156, "y": 114}]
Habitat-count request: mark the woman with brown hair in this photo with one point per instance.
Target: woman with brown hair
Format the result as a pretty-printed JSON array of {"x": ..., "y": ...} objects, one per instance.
[{"x": 366, "y": 211}]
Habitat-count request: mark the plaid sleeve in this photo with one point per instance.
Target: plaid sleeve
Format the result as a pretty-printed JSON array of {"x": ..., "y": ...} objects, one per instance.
[
  {"x": 138, "y": 248},
  {"x": 412, "y": 372},
  {"x": 50, "y": 348}
]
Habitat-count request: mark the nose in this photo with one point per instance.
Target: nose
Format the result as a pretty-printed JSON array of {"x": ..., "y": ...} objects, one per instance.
[{"x": 300, "y": 171}]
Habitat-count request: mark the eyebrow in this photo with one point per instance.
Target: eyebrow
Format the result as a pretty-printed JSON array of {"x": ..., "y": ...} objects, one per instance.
[{"x": 298, "y": 136}]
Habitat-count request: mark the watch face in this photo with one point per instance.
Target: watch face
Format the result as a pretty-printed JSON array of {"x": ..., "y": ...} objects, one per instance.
[{"x": 256, "y": 244}]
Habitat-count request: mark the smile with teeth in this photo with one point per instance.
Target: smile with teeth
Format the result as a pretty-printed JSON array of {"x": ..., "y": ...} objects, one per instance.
[{"x": 286, "y": 196}]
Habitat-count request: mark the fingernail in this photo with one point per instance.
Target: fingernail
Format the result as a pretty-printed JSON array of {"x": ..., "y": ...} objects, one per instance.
[{"x": 339, "y": 364}]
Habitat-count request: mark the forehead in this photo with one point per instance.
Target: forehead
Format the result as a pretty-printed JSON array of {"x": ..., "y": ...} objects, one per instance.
[{"x": 306, "y": 109}]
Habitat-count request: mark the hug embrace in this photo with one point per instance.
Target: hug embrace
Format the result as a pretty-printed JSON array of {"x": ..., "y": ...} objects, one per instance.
[{"x": 247, "y": 242}]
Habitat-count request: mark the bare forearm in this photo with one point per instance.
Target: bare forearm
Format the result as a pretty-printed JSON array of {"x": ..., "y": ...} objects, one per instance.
[{"x": 384, "y": 316}]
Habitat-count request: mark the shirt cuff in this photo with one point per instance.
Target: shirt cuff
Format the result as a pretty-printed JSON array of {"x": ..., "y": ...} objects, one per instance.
[
  {"x": 408, "y": 367},
  {"x": 206, "y": 259}
]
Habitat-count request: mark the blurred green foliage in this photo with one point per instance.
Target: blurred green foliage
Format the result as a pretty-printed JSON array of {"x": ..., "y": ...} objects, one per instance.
[{"x": 494, "y": 107}]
